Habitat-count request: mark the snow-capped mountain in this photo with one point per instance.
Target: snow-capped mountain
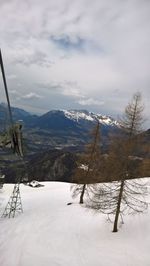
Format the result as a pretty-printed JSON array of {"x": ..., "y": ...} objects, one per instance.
[
  {"x": 78, "y": 115},
  {"x": 61, "y": 127},
  {"x": 73, "y": 115},
  {"x": 70, "y": 127}
]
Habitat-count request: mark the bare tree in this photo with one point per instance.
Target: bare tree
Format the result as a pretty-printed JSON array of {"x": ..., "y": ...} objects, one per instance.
[
  {"x": 125, "y": 195},
  {"x": 88, "y": 164}
]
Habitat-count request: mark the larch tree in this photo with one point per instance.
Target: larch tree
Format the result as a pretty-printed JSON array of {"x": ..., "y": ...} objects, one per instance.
[
  {"x": 88, "y": 165},
  {"x": 125, "y": 194}
]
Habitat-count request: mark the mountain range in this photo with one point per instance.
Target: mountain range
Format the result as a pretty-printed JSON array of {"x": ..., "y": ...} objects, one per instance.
[
  {"x": 58, "y": 128},
  {"x": 52, "y": 142}
]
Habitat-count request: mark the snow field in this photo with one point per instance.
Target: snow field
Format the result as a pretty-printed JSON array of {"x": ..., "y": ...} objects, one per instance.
[{"x": 50, "y": 233}]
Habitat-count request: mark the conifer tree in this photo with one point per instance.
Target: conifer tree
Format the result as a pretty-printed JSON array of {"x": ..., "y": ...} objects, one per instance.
[
  {"x": 88, "y": 165},
  {"x": 125, "y": 195}
]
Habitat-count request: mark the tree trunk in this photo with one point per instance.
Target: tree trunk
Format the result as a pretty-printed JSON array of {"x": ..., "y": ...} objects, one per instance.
[
  {"x": 82, "y": 194},
  {"x": 115, "y": 229}
]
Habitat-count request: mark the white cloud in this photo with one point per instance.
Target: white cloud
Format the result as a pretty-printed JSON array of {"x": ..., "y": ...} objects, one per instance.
[
  {"x": 88, "y": 49},
  {"x": 14, "y": 92},
  {"x": 11, "y": 76},
  {"x": 90, "y": 101},
  {"x": 31, "y": 95}
]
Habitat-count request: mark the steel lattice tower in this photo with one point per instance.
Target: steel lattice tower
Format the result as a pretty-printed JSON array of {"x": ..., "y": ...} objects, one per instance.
[{"x": 14, "y": 204}]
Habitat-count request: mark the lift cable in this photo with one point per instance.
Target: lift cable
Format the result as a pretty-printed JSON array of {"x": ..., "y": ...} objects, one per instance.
[
  {"x": 6, "y": 89},
  {"x": 14, "y": 204}
]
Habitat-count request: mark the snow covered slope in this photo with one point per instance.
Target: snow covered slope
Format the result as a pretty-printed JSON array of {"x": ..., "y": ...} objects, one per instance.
[
  {"x": 78, "y": 115},
  {"x": 50, "y": 233},
  {"x": 74, "y": 118}
]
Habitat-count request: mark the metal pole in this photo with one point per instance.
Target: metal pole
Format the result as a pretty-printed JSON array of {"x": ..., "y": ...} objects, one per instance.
[{"x": 6, "y": 90}]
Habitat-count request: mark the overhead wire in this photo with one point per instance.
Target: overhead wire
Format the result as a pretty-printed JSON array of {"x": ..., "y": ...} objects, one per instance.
[
  {"x": 15, "y": 142},
  {"x": 15, "y": 131},
  {"x": 6, "y": 89}
]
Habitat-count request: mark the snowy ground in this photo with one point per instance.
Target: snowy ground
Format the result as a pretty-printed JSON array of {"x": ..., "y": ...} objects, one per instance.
[{"x": 50, "y": 233}]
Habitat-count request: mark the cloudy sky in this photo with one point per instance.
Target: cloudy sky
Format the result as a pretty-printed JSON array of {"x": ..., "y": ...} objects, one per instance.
[{"x": 82, "y": 54}]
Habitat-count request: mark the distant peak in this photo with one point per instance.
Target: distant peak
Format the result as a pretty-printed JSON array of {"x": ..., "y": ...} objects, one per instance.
[{"x": 78, "y": 115}]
